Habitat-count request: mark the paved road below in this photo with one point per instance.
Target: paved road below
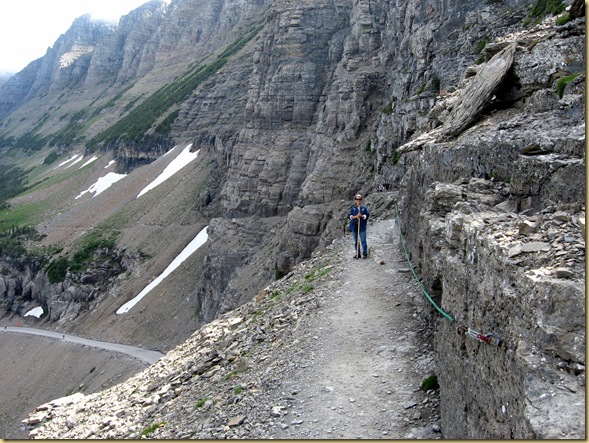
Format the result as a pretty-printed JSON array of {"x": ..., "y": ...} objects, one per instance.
[{"x": 140, "y": 353}]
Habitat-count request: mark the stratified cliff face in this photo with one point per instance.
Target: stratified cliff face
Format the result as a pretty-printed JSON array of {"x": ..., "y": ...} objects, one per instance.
[
  {"x": 64, "y": 66},
  {"x": 128, "y": 52},
  {"x": 314, "y": 128},
  {"x": 345, "y": 96}
]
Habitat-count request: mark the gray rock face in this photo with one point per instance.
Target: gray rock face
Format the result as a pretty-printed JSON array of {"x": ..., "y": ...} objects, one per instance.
[
  {"x": 129, "y": 51},
  {"x": 27, "y": 285},
  {"x": 492, "y": 250}
]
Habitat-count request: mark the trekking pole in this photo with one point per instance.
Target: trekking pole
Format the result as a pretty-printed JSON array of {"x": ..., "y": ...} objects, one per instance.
[{"x": 358, "y": 239}]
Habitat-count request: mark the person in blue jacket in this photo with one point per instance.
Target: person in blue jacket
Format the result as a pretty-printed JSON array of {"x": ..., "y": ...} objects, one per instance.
[{"x": 359, "y": 214}]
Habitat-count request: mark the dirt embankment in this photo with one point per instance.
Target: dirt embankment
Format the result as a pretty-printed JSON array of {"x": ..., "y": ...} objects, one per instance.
[{"x": 37, "y": 369}]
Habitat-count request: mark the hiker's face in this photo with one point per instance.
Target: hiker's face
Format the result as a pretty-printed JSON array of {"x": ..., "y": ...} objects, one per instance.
[{"x": 358, "y": 201}]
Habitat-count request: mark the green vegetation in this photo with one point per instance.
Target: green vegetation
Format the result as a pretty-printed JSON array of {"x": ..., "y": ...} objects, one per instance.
[
  {"x": 278, "y": 274},
  {"x": 395, "y": 158},
  {"x": 235, "y": 372},
  {"x": 430, "y": 382},
  {"x": 541, "y": 9},
  {"x": 152, "y": 428},
  {"x": 12, "y": 240},
  {"x": 12, "y": 183},
  {"x": 480, "y": 46},
  {"x": 200, "y": 403},
  {"x": 31, "y": 142},
  {"x": 238, "y": 390},
  {"x": 69, "y": 134},
  {"x": 51, "y": 158},
  {"x": 134, "y": 126},
  {"x": 368, "y": 146},
  {"x": 318, "y": 273},
  {"x": 436, "y": 82},
  {"x": 165, "y": 127},
  {"x": 6, "y": 141},
  {"x": 57, "y": 269},
  {"x": 306, "y": 289},
  {"x": 21, "y": 215},
  {"x": 482, "y": 43},
  {"x": 563, "y": 19},
  {"x": 388, "y": 110},
  {"x": 561, "y": 83},
  {"x": 66, "y": 136},
  {"x": 95, "y": 240}
]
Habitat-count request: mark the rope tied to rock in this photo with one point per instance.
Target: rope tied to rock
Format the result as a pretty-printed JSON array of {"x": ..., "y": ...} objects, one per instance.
[{"x": 490, "y": 339}]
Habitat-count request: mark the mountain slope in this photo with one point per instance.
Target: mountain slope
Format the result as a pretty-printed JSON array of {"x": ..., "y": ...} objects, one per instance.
[{"x": 272, "y": 368}]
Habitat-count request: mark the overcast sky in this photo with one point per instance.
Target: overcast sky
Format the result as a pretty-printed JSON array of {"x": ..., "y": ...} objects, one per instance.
[{"x": 29, "y": 27}]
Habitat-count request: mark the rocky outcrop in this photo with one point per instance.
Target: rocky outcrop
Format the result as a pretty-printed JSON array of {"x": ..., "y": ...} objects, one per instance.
[
  {"x": 254, "y": 373},
  {"x": 498, "y": 147},
  {"x": 520, "y": 278},
  {"x": 503, "y": 250},
  {"x": 128, "y": 51},
  {"x": 25, "y": 284},
  {"x": 128, "y": 62}
]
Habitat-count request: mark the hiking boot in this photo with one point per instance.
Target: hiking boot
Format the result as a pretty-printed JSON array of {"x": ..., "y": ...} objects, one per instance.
[{"x": 365, "y": 255}]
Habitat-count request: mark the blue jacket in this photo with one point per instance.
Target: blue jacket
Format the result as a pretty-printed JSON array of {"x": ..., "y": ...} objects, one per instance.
[{"x": 363, "y": 222}]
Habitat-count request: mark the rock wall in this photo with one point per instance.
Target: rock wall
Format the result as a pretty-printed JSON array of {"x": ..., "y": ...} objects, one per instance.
[
  {"x": 25, "y": 285},
  {"x": 313, "y": 130},
  {"x": 494, "y": 221}
]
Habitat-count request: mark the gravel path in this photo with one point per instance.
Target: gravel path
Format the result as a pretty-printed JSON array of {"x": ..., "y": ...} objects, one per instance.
[{"x": 359, "y": 373}]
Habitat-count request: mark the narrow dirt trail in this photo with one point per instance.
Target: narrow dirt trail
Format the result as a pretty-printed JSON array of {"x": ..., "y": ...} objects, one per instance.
[{"x": 367, "y": 357}]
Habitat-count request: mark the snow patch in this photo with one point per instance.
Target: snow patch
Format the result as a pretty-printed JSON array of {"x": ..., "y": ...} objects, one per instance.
[
  {"x": 175, "y": 165},
  {"x": 89, "y": 161},
  {"x": 77, "y": 160},
  {"x": 71, "y": 159},
  {"x": 36, "y": 312},
  {"x": 103, "y": 183},
  {"x": 198, "y": 241}
]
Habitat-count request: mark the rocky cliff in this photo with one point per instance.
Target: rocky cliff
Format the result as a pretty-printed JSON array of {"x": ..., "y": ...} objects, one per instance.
[{"x": 471, "y": 114}]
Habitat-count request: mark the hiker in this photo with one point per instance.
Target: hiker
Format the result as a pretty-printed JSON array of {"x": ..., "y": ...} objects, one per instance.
[{"x": 359, "y": 212}]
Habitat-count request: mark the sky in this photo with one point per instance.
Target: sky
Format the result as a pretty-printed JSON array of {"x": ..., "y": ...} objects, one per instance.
[{"x": 29, "y": 27}]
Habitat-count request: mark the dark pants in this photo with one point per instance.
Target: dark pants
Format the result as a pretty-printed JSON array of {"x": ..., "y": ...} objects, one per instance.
[{"x": 362, "y": 241}]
